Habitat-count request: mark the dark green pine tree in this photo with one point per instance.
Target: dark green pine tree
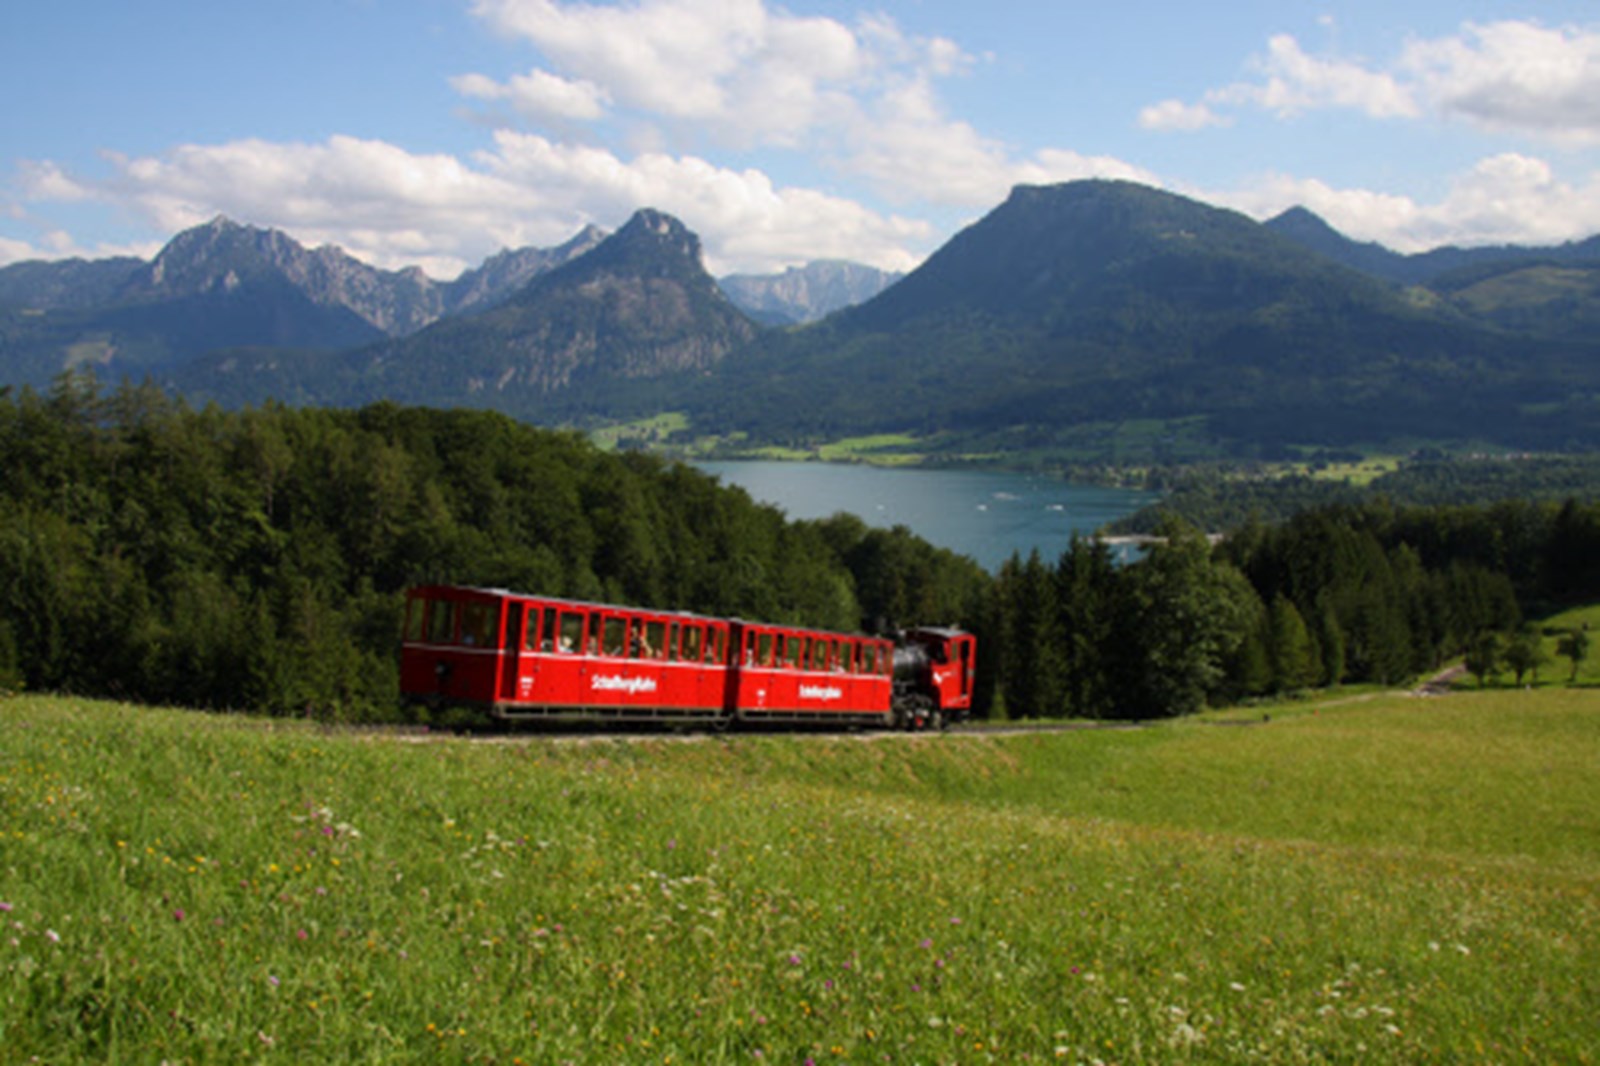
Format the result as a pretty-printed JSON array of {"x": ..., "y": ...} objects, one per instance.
[
  {"x": 1031, "y": 657},
  {"x": 1291, "y": 651},
  {"x": 1088, "y": 584}
]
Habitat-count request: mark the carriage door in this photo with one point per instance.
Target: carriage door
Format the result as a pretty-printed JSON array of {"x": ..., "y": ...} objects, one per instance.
[{"x": 512, "y": 645}]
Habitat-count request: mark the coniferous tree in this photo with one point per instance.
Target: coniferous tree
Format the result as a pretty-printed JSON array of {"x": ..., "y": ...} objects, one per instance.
[
  {"x": 1087, "y": 586},
  {"x": 1292, "y": 654}
]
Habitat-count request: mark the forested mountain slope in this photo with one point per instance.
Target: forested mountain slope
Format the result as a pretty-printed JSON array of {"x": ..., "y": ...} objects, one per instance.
[{"x": 1096, "y": 300}]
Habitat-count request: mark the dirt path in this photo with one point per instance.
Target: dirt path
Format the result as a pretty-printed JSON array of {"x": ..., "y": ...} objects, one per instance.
[{"x": 1439, "y": 684}]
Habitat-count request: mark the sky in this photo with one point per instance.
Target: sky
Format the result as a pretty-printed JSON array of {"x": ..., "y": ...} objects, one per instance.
[{"x": 434, "y": 133}]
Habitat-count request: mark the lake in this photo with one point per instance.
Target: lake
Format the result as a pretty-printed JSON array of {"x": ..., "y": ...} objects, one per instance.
[{"x": 984, "y": 514}]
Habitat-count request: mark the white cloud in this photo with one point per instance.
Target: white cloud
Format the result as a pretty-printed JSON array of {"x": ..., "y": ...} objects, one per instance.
[
  {"x": 732, "y": 67},
  {"x": 394, "y": 208},
  {"x": 861, "y": 99},
  {"x": 1504, "y": 199},
  {"x": 13, "y": 251},
  {"x": 59, "y": 244},
  {"x": 1507, "y": 76},
  {"x": 1177, "y": 115},
  {"x": 740, "y": 73},
  {"x": 1514, "y": 76},
  {"x": 539, "y": 95},
  {"x": 47, "y": 181},
  {"x": 744, "y": 222},
  {"x": 1293, "y": 82}
]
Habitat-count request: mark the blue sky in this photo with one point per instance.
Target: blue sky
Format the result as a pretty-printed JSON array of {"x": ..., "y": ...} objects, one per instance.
[{"x": 435, "y": 132}]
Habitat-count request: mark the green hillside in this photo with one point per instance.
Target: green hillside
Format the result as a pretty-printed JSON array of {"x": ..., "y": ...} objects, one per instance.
[{"x": 1097, "y": 301}]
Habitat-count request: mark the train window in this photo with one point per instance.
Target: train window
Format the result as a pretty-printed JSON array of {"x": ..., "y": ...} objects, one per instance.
[
  {"x": 650, "y": 638},
  {"x": 571, "y": 638},
  {"x": 869, "y": 659},
  {"x": 546, "y": 637},
  {"x": 591, "y": 644},
  {"x": 819, "y": 654},
  {"x": 478, "y": 623},
  {"x": 441, "y": 622},
  {"x": 616, "y": 636},
  {"x": 846, "y": 663},
  {"x": 416, "y": 618},
  {"x": 693, "y": 643},
  {"x": 716, "y": 642},
  {"x": 672, "y": 642},
  {"x": 794, "y": 651}
]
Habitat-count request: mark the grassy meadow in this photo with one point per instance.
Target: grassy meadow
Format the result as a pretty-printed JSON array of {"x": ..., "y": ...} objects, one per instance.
[{"x": 1377, "y": 878}]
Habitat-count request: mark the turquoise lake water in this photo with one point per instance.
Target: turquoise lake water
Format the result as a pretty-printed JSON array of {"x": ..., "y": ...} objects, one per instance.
[{"x": 987, "y": 515}]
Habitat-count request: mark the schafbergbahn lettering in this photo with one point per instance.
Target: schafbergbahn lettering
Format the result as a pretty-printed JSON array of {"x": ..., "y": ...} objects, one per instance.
[
  {"x": 631, "y": 685},
  {"x": 566, "y": 660}
]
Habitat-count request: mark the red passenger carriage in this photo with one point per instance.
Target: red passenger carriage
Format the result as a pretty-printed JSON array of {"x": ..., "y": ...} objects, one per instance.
[{"x": 513, "y": 656}]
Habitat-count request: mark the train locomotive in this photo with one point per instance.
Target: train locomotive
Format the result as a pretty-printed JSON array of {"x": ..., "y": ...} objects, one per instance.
[{"x": 515, "y": 657}]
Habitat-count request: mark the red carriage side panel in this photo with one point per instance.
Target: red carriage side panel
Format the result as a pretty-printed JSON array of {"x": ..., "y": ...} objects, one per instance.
[
  {"x": 562, "y": 659},
  {"x": 516, "y": 656},
  {"x": 453, "y": 652},
  {"x": 789, "y": 674}
]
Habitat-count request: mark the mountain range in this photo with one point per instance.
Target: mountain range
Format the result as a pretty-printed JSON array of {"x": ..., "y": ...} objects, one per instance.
[
  {"x": 223, "y": 285},
  {"x": 1067, "y": 312}
]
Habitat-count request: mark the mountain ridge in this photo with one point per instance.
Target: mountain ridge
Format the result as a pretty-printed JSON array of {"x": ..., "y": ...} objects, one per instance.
[{"x": 1064, "y": 308}]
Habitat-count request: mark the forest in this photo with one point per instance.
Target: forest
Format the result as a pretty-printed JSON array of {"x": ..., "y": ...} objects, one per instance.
[{"x": 256, "y": 560}]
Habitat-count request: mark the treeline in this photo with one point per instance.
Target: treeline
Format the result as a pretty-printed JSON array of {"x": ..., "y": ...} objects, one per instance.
[
  {"x": 1218, "y": 497},
  {"x": 257, "y": 559},
  {"x": 1334, "y": 595}
]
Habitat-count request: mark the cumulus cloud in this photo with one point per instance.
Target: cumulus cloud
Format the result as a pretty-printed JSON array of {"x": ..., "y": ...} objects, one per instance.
[
  {"x": 1293, "y": 81},
  {"x": 1510, "y": 76},
  {"x": 43, "y": 180},
  {"x": 14, "y": 251},
  {"x": 1514, "y": 76},
  {"x": 1177, "y": 115},
  {"x": 730, "y": 66},
  {"x": 743, "y": 74},
  {"x": 539, "y": 95},
  {"x": 395, "y": 208},
  {"x": 1503, "y": 199}
]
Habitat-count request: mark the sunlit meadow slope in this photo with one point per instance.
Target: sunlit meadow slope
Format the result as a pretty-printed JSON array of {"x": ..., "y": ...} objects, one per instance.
[{"x": 1389, "y": 880}]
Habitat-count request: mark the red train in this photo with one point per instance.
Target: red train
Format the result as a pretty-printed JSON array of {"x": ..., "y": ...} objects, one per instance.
[{"x": 514, "y": 656}]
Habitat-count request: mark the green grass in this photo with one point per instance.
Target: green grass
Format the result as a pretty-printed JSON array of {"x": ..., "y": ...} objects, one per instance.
[
  {"x": 644, "y": 431},
  {"x": 1559, "y": 668},
  {"x": 1379, "y": 878}
]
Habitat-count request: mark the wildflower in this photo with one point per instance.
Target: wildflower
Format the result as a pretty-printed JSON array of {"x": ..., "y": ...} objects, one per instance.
[
  {"x": 301, "y": 934},
  {"x": 52, "y": 936},
  {"x": 272, "y": 979},
  {"x": 5, "y": 908},
  {"x": 178, "y": 915}
]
